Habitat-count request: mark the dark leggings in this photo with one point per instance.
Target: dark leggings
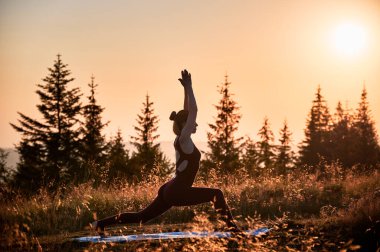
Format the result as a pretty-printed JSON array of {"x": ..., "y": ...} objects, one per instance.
[{"x": 168, "y": 197}]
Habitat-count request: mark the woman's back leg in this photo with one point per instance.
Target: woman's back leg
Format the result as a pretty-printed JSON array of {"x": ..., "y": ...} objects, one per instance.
[
  {"x": 197, "y": 195},
  {"x": 154, "y": 209}
]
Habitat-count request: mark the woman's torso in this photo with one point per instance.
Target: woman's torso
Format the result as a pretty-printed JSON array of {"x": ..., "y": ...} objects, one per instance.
[
  {"x": 172, "y": 190},
  {"x": 186, "y": 173}
]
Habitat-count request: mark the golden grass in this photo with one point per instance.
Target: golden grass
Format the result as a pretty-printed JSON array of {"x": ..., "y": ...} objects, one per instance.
[{"x": 350, "y": 200}]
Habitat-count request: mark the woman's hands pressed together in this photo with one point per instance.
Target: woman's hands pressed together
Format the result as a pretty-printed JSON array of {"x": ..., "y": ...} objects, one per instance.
[{"x": 186, "y": 79}]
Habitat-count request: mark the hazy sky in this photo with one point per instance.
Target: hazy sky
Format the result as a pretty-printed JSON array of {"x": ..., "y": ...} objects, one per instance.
[{"x": 275, "y": 53}]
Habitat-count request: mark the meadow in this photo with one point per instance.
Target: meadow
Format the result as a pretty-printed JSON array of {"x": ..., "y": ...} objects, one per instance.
[{"x": 306, "y": 212}]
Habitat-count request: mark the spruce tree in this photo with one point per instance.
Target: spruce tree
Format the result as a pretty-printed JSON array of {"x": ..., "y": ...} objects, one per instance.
[
  {"x": 285, "y": 155},
  {"x": 367, "y": 147},
  {"x": 49, "y": 148},
  {"x": 342, "y": 138},
  {"x": 224, "y": 147},
  {"x": 316, "y": 143},
  {"x": 265, "y": 146},
  {"x": 93, "y": 142},
  {"x": 249, "y": 158},
  {"x": 148, "y": 155},
  {"x": 4, "y": 171},
  {"x": 118, "y": 160},
  {"x": 30, "y": 175}
]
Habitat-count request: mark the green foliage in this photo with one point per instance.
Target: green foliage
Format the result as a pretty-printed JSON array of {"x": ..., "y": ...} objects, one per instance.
[{"x": 224, "y": 148}]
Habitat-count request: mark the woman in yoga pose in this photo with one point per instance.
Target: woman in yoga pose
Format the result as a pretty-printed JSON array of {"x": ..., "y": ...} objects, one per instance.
[{"x": 178, "y": 191}]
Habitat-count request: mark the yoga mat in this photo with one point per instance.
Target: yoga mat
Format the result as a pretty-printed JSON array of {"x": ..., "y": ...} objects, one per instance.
[{"x": 167, "y": 235}]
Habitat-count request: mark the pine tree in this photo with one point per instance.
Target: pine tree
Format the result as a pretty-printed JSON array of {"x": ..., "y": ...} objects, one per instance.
[
  {"x": 224, "y": 148},
  {"x": 148, "y": 155},
  {"x": 285, "y": 155},
  {"x": 342, "y": 137},
  {"x": 316, "y": 144},
  {"x": 118, "y": 160},
  {"x": 266, "y": 147},
  {"x": 4, "y": 171},
  {"x": 249, "y": 158},
  {"x": 367, "y": 148},
  {"x": 93, "y": 142},
  {"x": 49, "y": 150},
  {"x": 30, "y": 173}
]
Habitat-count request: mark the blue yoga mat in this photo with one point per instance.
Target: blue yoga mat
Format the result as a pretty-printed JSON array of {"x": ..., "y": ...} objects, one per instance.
[{"x": 169, "y": 235}]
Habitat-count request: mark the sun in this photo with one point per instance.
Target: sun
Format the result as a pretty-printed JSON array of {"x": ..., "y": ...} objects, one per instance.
[{"x": 350, "y": 39}]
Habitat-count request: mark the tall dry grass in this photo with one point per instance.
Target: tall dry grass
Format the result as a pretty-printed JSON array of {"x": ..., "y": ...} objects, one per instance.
[{"x": 348, "y": 199}]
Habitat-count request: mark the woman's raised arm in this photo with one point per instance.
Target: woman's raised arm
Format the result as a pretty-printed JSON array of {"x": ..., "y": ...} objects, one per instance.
[
  {"x": 186, "y": 100},
  {"x": 190, "y": 104}
]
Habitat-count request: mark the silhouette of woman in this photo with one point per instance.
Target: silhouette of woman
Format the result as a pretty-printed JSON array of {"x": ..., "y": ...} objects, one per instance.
[{"x": 178, "y": 191}]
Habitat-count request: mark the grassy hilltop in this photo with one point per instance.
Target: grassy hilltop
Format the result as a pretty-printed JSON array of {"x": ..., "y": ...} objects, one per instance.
[{"x": 304, "y": 213}]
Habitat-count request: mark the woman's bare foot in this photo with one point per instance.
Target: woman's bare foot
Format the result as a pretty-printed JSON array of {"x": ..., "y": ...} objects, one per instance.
[{"x": 95, "y": 226}]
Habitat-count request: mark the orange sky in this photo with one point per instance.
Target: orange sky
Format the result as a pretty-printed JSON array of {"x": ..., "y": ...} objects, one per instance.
[{"x": 275, "y": 53}]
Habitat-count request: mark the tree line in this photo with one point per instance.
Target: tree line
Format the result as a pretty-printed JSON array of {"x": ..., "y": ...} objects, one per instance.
[
  {"x": 67, "y": 146},
  {"x": 346, "y": 139}
]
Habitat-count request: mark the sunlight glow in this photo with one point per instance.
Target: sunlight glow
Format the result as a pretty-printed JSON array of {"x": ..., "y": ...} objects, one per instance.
[{"x": 350, "y": 39}]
